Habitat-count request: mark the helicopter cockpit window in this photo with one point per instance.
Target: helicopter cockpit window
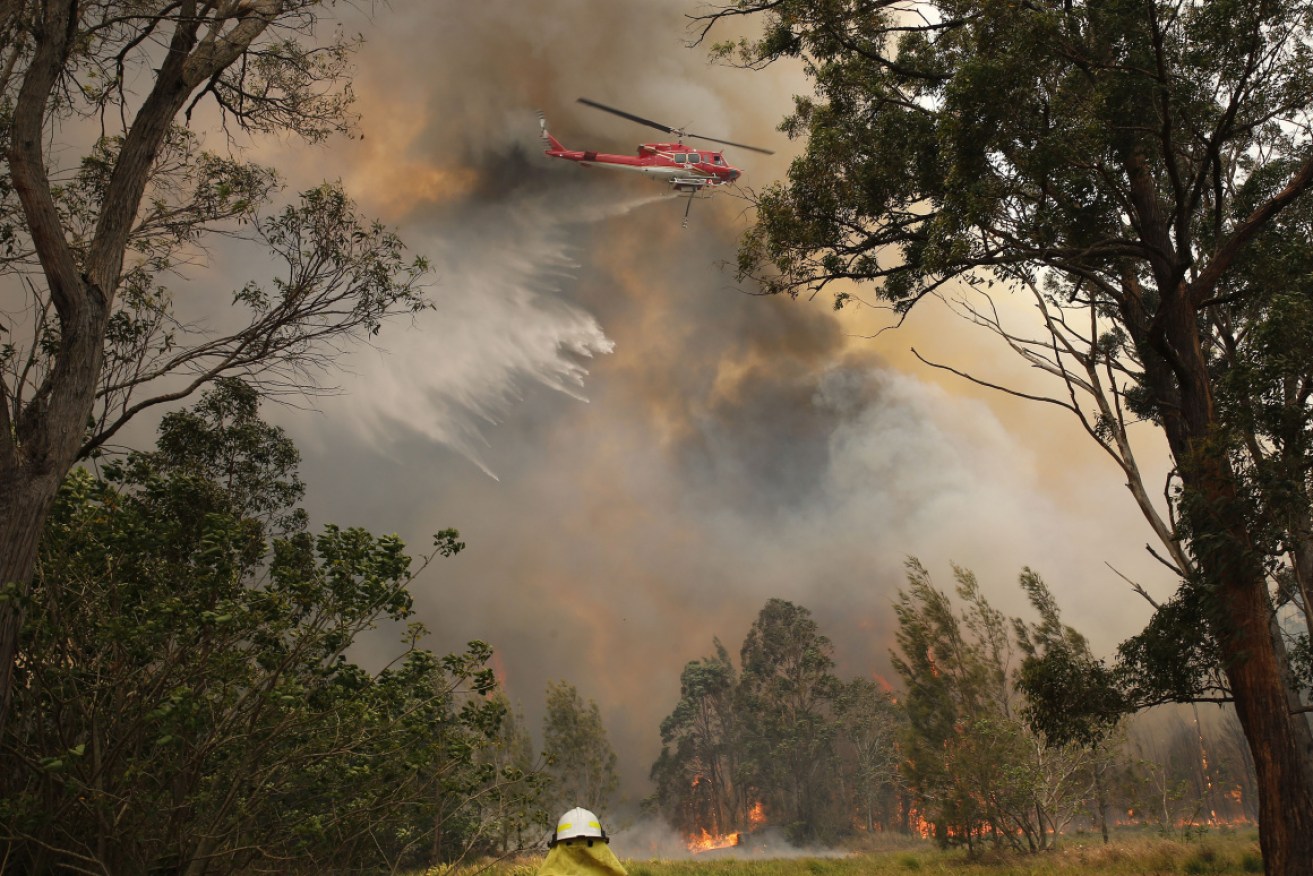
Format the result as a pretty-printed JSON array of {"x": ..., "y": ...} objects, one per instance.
[
  {"x": 720, "y": 159},
  {"x": 681, "y": 158}
]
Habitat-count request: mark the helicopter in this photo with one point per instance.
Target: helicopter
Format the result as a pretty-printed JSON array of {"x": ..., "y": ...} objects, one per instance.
[{"x": 685, "y": 168}]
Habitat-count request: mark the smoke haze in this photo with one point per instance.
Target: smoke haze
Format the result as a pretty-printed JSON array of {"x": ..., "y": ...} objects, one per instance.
[{"x": 638, "y": 454}]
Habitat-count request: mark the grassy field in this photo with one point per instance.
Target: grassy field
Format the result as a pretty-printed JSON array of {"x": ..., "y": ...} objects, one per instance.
[{"x": 1218, "y": 852}]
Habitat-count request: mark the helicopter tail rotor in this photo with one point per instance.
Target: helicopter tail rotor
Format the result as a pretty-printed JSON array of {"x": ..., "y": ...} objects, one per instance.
[{"x": 551, "y": 141}]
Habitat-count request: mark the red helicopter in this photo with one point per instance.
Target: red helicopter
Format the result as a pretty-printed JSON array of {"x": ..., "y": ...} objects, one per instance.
[{"x": 686, "y": 169}]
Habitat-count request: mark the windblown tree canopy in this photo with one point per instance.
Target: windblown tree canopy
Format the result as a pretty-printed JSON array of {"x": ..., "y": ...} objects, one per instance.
[
  {"x": 105, "y": 198},
  {"x": 1139, "y": 170}
]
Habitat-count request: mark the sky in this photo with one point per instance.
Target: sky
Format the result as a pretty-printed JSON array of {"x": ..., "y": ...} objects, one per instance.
[{"x": 637, "y": 450}]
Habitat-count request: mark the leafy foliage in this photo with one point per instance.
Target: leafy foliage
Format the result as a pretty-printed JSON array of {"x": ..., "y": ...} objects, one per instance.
[
  {"x": 105, "y": 195},
  {"x": 580, "y": 761},
  {"x": 977, "y": 770},
  {"x": 185, "y": 699},
  {"x": 1070, "y": 696},
  {"x": 786, "y": 692},
  {"x": 698, "y": 783}
]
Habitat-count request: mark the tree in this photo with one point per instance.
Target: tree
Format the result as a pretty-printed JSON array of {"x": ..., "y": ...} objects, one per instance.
[
  {"x": 697, "y": 774},
  {"x": 1139, "y": 169},
  {"x": 1070, "y": 696},
  {"x": 870, "y": 722},
  {"x": 90, "y": 242},
  {"x": 580, "y": 761},
  {"x": 786, "y": 691},
  {"x": 510, "y": 805},
  {"x": 183, "y": 698},
  {"x": 974, "y": 765}
]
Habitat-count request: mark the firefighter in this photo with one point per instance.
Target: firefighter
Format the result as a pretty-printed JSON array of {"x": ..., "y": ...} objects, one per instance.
[{"x": 580, "y": 847}]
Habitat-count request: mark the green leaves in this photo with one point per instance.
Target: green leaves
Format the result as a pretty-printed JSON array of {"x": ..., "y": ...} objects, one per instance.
[
  {"x": 580, "y": 760},
  {"x": 185, "y": 666},
  {"x": 972, "y": 763}
]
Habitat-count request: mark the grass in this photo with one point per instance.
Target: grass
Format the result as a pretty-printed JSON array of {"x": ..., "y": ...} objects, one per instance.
[{"x": 1219, "y": 853}]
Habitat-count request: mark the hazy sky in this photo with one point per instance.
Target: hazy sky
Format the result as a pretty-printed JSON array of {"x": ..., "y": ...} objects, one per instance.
[{"x": 638, "y": 453}]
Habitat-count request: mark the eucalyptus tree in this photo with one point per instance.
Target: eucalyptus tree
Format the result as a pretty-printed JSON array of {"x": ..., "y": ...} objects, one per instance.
[
  {"x": 971, "y": 760},
  {"x": 1139, "y": 171},
  {"x": 870, "y": 721},
  {"x": 580, "y": 762},
  {"x": 787, "y": 689},
  {"x": 108, "y": 190},
  {"x": 697, "y": 778}
]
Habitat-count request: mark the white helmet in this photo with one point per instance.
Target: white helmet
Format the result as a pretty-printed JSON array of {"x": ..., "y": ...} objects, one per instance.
[{"x": 578, "y": 823}]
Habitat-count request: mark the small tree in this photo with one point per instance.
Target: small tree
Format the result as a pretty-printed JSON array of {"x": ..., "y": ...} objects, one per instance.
[
  {"x": 510, "y": 804},
  {"x": 870, "y": 724},
  {"x": 975, "y": 767},
  {"x": 580, "y": 761}
]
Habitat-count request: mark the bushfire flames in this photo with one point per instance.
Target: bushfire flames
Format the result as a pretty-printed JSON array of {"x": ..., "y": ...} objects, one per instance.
[{"x": 707, "y": 841}]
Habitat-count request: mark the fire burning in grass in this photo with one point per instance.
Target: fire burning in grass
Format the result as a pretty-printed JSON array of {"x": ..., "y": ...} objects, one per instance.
[{"x": 707, "y": 842}]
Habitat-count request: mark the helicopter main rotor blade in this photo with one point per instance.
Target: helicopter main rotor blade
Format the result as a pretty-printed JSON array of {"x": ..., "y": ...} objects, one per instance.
[
  {"x": 730, "y": 143},
  {"x": 666, "y": 128},
  {"x": 624, "y": 115}
]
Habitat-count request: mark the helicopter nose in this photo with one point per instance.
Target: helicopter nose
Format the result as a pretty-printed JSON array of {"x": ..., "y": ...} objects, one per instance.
[{"x": 733, "y": 175}]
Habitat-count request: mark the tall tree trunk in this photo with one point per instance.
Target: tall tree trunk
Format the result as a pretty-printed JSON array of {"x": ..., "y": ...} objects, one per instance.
[
  {"x": 25, "y": 500},
  {"x": 39, "y": 444},
  {"x": 1231, "y": 571},
  {"x": 1101, "y": 801},
  {"x": 1278, "y": 736}
]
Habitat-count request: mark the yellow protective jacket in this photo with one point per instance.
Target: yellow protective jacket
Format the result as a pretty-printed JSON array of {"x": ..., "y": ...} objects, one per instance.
[{"x": 581, "y": 857}]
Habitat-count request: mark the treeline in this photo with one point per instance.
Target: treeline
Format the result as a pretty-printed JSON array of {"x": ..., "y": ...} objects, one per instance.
[
  {"x": 185, "y": 700},
  {"x": 964, "y": 753}
]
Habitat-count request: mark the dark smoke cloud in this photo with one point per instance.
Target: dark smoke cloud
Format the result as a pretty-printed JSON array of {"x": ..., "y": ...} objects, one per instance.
[{"x": 668, "y": 452}]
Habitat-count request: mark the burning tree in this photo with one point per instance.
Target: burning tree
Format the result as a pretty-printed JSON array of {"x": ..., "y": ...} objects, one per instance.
[
  {"x": 780, "y": 742},
  {"x": 786, "y": 695},
  {"x": 696, "y": 775},
  {"x": 975, "y": 768},
  {"x": 870, "y": 722}
]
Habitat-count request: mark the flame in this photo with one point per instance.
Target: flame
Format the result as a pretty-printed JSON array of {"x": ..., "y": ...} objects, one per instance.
[
  {"x": 707, "y": 842},
  {"x": 756, "y": 816},
  {"x": 918, "y": 823}
]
